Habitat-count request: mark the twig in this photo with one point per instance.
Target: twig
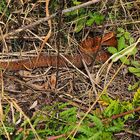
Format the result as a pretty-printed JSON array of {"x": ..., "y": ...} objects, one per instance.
[
  {"x": 121, "y": 114},
  {"x": 125, "y": 113},
  {"x": 50, "y": 26},
  {"x": 47, "y": 18},
  {"x": 131, "y": 132},
  {"x": 117, "y": 116},
  {"x": 59, "y": 37},
  {"x": 90, "y": 77},
  {"x": 56, "y": 137}
]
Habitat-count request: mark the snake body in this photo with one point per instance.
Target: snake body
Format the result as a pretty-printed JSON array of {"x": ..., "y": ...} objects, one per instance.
[{"x": 88, "y": 48}]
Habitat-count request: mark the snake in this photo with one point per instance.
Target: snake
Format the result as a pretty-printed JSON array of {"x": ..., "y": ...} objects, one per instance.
[{"x": 87, "y": 48}]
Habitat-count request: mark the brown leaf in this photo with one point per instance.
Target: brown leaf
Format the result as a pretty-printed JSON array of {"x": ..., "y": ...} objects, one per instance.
[
  {"x": 46, "y": 85},
  {"x": 37, "y": 87},
  {"x": 53, "y": 81},
  {"x": 33, "y": 105}
]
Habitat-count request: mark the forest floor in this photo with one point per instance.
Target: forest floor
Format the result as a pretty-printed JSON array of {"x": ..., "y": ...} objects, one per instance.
[{"x": 62, "y": 102}]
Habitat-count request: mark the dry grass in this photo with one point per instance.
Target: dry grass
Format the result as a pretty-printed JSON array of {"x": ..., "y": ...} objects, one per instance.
[{"x": 21, "y": 89}]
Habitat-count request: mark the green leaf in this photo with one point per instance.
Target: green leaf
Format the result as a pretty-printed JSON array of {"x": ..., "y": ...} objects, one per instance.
[
  {"x": 116, "y": 128},
  {"x": 95, "y": 17},
  {"x": 72, "y": 13},
  {"x": 135, "y": 63},
  {"x": 136, "y": 99},
  {"x": 106, "y": 98},
  {"x": 116, "y": 109},
  {"x": 80, "y": 24},
  {"x": 133, "y": 87},
  {"x": 121, "y": 43},
  {"x": 125, "y": 60},
  {"x": 112, "y": 50},
  {"x": 63, "y": 105},
  {"x": 113, "y": 108},
  {"x": 90, "y": 22},
  {"x": 131, "y": 40},
  {"x": 2, "y": 5},
  {"x": 129, "y": 6},
  {"x": 127, "y": 35},
  {"x": 135, "y": 50},
  {"x": 96, "y": 136},
  {"x": 69, "y": 114},
  {"x": 19, "y": 137},
  {"x": 119, "y": 35},
  {"x": 78, "y": 28},
  {"x": 75, "y": 2},
  {"x": 106, "y": 136},
  {"x": 85, "y": 130},
  {"x": 121, "y": 30},
  {"x": 135, "y": 71},
  {"x": 97, "y": 121},
  {"x": 99, "y": 19}
]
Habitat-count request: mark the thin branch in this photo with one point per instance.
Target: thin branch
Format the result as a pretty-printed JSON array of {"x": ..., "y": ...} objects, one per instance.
[{"x": 125, "y": 113}]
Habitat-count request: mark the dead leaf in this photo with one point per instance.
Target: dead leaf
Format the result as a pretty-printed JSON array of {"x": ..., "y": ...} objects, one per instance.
[
  {"x": 25, "y": 74},
  {"x": 53, "y": 81},
  {"x": 46, "y": 85},
  {"x": 37, "y": 87},
  {"x": 33, "y": 105}
]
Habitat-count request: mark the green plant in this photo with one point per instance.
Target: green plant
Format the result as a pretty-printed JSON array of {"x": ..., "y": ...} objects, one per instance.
[
  {"x": 95, "y": 17},
  {"x": 124, "y": 40},
  {"x": 62, "y": 119},
  {"x": 82, "y": 17},
  {"x": 135, "y": 68},
  {"x": 3, "y": 8},
  {"x": 98, "y": 132},
  {"x": 134, "y": 86},
  {"x": 104, "y": 129},
  {"x": 136, "y": 99},
  {"x": 89, "y": 20}
]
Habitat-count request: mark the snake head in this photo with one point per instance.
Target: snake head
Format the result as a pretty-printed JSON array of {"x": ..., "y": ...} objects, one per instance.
[
  {"x": 109, "y": 39},
  {"x": 92, "y": 45}
]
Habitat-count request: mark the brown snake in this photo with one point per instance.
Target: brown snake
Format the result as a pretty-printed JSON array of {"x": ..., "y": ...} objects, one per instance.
[{"x": 88, "y": 48}]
